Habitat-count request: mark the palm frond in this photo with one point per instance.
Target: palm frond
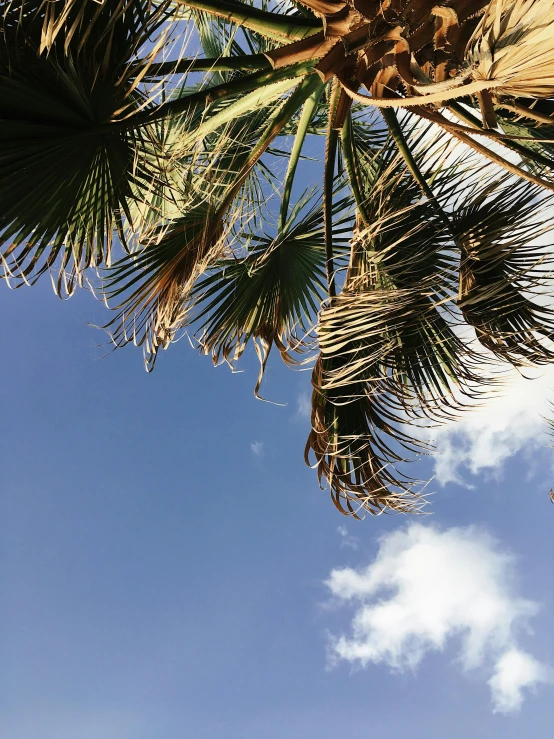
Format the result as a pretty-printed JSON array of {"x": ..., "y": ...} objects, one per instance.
[
  {"x": 512, "y": 46},
  {"x": 67, "y": 182},
  {"x": 504, "y": 268},
  {"x": 154, "y": 284},
  {"x": 272, "y": 295},
  {"x": 152, "y": 287},
  {"x": 352, "y": 439},
  {"x": 390, "y": 348}
]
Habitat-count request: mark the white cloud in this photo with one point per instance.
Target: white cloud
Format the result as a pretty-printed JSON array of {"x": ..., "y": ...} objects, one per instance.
[
  {"x": 257, "y": 448},
  {"x": 514, "y": 671},
  {"x": 427, "y": 587},
  {"x": 487, "y": 436},
  {"x": 347, "y": 540},
  {"x": 303, "y": 406}
]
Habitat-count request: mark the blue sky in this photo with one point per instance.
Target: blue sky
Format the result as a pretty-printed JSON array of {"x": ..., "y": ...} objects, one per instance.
[{"x": 161, "y": 579}]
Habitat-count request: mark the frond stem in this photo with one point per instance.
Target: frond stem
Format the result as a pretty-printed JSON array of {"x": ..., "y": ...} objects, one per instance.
[
  {"x": 529, "y": 113},
  {"x": 272, "y": 25},
  {"x": 240, "y": 62},
  {"x": 351, "y": 163},
  {"x": 496, "y": 158},
  {"x": 277, "y": 123},
  {"x": 404, "y": 149},
  {"x": 328, "y": 177},
  {"x": 189, "y": 103},
  {"x": 308, "y": 112}
]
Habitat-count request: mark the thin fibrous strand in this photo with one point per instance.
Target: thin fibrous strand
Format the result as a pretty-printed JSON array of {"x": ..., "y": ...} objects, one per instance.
[{"x": 216, "y": 64}]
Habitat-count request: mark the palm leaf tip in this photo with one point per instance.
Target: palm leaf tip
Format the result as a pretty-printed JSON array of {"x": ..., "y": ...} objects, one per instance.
[
  {"x": 151, "y": 288},
  {"x": 271, "y": 295},
  {"x": 347, "y": 440}
]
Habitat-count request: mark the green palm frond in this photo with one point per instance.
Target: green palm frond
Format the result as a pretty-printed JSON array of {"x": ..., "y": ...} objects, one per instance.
[
  {"x": 67, "y": 182},
  {"x": 154, "y": 284},
  {"x": 151, "y": 288},
  {"x": 272, "y": 295}
]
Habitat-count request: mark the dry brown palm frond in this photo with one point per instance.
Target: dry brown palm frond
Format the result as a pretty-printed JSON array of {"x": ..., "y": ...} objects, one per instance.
[
  {"x": 399, "y": 340},
  {"x": 401, "y": 288},
  {"x": 394, "y": 326},
  {"x": 388, "y": 358},
  {"x": 512, "y": 47},
  {"x": 510, "y": 53},
  {"x": 348, "y": 442},
  {"x": 394, "y": 350},
  {"x": 153, "y": 313}
]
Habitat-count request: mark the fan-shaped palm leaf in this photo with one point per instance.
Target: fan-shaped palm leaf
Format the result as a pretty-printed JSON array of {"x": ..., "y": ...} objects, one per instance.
[
  {"x": 502, "y": 267},
  {"x": 389, "y": 349},
  {"x": 351, "y": 441},
  {"x": 66, "y": 178},
  {"x": 156, "y": 282},
  {"x": 273, "y": 294}
]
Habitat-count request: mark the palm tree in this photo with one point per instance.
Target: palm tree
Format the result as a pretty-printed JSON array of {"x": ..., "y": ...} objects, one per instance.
[{"x": 139, "y": 145}]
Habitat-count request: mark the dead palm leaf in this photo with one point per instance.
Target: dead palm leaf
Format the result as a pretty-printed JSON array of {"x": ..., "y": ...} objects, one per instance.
[
  {"x": 352, "y": 440},
  {"x": 503, "y": 270},
  {"x": 511, "y": 49},
  {"x": 155, "y": 283},
  {"x": 389, "y": 351}
]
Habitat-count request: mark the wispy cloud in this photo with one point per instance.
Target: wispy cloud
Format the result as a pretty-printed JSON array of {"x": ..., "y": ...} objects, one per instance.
[
  {"x": 515, "y": 671},
  {"x": 427, "y": 587},
  {"x": 303, "y": 406},
  {"x": 347, "y": 540},
  {"x": 257, "y": 448},
  {"x": 486, "y": 437}
]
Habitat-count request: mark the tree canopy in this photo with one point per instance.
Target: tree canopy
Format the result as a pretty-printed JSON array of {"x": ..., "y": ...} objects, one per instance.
[{"x": 140, "y": 142}]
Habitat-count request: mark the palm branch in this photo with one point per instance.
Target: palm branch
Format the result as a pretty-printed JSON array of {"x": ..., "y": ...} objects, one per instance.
[{"x": 142, "y": 146}]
